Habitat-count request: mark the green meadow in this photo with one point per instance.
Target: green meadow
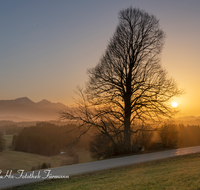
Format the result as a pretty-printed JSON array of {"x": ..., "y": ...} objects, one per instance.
[{"x": 181, "y": 172}]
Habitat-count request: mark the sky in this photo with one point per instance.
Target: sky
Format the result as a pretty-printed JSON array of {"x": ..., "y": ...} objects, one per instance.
[{"x": 46, "y": 46}]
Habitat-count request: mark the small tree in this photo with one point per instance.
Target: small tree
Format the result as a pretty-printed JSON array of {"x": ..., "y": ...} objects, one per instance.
[{"x": 169, "y": 135}]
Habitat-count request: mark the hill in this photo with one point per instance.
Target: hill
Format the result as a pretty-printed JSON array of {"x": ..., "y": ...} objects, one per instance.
[{"x": 24, "y": 109}]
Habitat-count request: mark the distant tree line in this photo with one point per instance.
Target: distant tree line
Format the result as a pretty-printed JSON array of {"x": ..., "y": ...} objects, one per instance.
[
  {"x": 44, "y": 139},
  {"x": 11, "y": 129},
  {"x": 170, "y": 135},
  {"x": 189, "y": 135},
  {"x": 19, "y": 124},
  {"x": 49, "y": 139}
]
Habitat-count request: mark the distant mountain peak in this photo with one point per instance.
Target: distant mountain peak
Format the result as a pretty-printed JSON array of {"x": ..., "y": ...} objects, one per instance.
[
  {"x": 23, "y": 100},
  {"x": 43, "y": 101}
]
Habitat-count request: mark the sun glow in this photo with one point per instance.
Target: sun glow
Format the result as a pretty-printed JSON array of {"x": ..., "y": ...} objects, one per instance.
[{"x": 174, "y": 104}]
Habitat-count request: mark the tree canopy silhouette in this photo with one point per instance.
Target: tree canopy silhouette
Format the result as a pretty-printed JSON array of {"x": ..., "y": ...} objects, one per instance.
[{"x": 128, "y": 84}]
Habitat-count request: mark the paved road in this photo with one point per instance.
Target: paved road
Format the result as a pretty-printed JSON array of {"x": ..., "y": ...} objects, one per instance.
[{"x": 91, "y": 166}]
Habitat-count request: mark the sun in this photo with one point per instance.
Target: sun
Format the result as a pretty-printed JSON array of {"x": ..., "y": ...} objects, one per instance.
[{"x": 174, "y": 104}]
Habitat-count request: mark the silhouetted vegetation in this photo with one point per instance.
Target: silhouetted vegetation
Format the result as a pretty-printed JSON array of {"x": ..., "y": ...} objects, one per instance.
[
  {"x": 102, "y": 147},
  {"x": 188, "y": 135},
  {"x": 168, "y": 134},
  {"x": 143, "y": 137},
  {"x": 47, "y": 139},
  {"x": 127, "y": 85},
  {"x": 43, "y": 166},
  {"x": 11, "y": 129},
  {"x": 44, "y": 139},
  {"x": 173, "y": 135},
  {"x": 2, "y": 142},
  {"x": 19, "y": 124}
]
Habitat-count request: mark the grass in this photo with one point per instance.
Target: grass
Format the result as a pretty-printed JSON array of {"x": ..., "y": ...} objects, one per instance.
[
  {"x": 8, "y": 139},
  {"x": 15, "y": 160},
  {"x": 84, "y": 155},
  {"x": 182, "y": 172}
]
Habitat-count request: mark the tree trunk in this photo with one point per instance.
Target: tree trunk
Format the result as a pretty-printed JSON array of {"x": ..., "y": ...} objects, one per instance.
[
  {"x": 127, "y": 123},
  {"x": 127, "y": 135}
]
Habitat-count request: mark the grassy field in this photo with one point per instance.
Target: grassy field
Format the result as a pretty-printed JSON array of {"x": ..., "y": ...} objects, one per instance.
[
  {"x": 14, "y": 160},
  {"x": 182, "y": 172},
  {"x": 8, "y": 139}
]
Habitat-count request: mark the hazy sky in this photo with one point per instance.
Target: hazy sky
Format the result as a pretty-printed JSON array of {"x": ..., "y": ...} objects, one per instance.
[{"x": 46, "y": 46}]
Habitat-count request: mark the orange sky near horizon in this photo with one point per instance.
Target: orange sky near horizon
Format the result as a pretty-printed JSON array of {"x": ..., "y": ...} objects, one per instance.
[{"x": 47, "y": 47}]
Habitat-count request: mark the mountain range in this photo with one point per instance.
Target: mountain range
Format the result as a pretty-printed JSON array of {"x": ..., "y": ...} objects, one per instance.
[{"x": 24, "y": 109}]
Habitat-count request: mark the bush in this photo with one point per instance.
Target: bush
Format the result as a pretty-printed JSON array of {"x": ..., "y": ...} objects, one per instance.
[
  {"x": 142, "y": 138},
  {"x": 102, "y": 147},
  {"x": 43, "y": 166},
  {"x": 169, "y": 135}
]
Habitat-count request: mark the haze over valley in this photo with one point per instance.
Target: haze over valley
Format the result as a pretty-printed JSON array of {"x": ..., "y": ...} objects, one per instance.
[{"x": 24, "y": 109}]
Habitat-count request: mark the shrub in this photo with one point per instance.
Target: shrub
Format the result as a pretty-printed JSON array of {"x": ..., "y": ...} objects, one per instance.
[
  {"x": 169, "y": 135},
  {"x": 43, "y": 166},
  {"x": 142, "y": 138},
  {"x": 102, "y": 147}
]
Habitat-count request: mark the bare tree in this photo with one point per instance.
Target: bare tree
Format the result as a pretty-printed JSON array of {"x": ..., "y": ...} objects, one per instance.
[{"x": 128, "y": 84}]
